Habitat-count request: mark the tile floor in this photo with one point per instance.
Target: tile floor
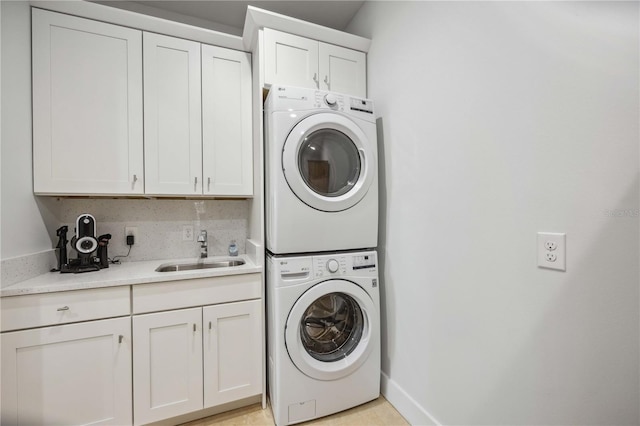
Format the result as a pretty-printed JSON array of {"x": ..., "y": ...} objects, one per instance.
[{"x": 375, "y": 413}]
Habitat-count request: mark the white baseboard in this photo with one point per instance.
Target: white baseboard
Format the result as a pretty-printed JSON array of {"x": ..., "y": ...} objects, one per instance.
[{"x": 405, "y": 404}]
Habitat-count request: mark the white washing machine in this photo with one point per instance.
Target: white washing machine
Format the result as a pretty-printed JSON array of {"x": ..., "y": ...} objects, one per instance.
[
  {"x": 321, "y": 171},
  {"x": 323, "y": 334}
]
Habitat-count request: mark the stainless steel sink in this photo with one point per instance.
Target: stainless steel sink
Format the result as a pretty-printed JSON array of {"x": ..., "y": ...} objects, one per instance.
[{"x": 173, "y": 267}]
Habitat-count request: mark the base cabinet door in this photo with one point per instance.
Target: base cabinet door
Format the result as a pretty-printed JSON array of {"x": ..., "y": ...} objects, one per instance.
[
  {"x": 167, "y": 364},
  {"x": 232, "y": 351},
  {"x": 68, "y": 375}
]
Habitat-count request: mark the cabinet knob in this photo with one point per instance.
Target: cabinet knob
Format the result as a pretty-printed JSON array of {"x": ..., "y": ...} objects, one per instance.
[
  {"x": 120, "y": 338},
  {"x": 195, "y": 184},
  {"x": 315, "y": 78},
  {"x": 208, "y": 184},
  {"x": 194, "y": 327},
  {"x": 326, "y": 80},
  {"x": 64, "y": 308},
  {"x": 209, "y": 325}
]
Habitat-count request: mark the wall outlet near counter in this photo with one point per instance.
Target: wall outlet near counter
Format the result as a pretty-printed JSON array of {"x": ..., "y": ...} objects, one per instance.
[
  {"x": 131, "y": 230},
  {"x": 187, "y": 233}
]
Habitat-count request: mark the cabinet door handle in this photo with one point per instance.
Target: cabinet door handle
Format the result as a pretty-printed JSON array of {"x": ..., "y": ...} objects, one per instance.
[
  {"x": 120, "y": 337},
  {"x": 194, "y": 327},
  {"x": 208, "y": 184},
  {"x": 195, "y": 184},
  {"x": 326, "y": 80},
  {"x": 64, "y": 308},
  {"x": 209, "y": 325},
  {"x": 315, "y": 78}
]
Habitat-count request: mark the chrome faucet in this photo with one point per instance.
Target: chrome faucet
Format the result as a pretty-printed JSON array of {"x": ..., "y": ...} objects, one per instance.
[{"x": 202, "y": 239}]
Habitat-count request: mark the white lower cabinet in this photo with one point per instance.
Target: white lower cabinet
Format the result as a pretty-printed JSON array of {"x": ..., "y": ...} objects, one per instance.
[
  {"x": 167, "y": 364},
  {"x": 81, "y": 357},
  {"x": 232, "y": 351},
  {"x": 68, "y": 375},
  {"x": 181, "y": 355}
]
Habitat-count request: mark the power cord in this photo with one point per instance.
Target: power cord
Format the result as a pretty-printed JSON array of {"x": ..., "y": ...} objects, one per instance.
[{"x": 115, "y": 259}]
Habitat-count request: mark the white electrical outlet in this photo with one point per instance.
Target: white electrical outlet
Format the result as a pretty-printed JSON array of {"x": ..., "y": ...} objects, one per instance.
[
  {"x": 187, "y": 233},
  {"x": 552, "y": 250},
  {"x": 131, "y": 230}
]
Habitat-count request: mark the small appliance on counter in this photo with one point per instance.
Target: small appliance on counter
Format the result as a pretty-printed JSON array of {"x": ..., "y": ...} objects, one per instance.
[{"x": 85, "y": 243}]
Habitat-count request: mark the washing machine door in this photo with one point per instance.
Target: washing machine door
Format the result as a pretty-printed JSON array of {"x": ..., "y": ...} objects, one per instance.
[
  {"x": 328, "y": 162},
  {"x": 329, "y": 329}
]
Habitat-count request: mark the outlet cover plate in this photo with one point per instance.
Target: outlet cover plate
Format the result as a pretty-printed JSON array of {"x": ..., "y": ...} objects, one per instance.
[
  {"x": 187, "y": 233},
  {"x": 546, "y": 239}
]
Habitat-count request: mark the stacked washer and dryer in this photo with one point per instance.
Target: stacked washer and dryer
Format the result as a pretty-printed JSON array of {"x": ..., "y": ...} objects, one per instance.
[{"x": 323, "y": 304}]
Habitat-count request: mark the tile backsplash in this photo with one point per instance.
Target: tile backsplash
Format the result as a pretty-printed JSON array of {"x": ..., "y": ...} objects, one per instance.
[{"x": 160, "y": 225}]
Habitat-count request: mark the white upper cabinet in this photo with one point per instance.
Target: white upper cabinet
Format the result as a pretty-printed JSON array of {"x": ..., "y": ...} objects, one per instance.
[
  {"x": 227, "y": 157},
  {"x": 290, "y": 59},
  {"x": 87, "y": 106},
  {"x": 298, "y": 61},
  {"x": 197, "y": 137},
  {"x": 88, "y": 118},
  {"x": 342, "y": 70},
  {"x": 172, "y": 116}
]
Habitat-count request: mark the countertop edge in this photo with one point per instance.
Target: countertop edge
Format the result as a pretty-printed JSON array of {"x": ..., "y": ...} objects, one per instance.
[{"x": 130, "y": 273}]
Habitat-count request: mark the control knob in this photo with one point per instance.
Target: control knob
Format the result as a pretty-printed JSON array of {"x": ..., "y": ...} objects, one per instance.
[
  {"x": 332, "y": 265},
  {"x": 330, "y": 99}
]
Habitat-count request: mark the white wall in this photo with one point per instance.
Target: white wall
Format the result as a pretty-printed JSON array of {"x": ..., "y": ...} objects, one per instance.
[
  {"x": 498, "y": 120},
  {"x": 24, "y": 216}
]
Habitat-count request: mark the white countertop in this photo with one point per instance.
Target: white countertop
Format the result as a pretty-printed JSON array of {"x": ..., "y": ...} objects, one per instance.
[{"x": 127, "y": 273}]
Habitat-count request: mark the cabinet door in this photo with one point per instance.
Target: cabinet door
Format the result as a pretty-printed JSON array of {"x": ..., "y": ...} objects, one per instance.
[
  {"x": 87, "y": 106},
  {"x": 67, "y": 375},
  {"x": 167, "y": 364},
  {"x": 232, "y": 351},
  {"x": 172, "y": 116},
  {"x": 227, "y": 159},
  {"x": 342, "y": 70},
  {"x": 290, "y": 60}
]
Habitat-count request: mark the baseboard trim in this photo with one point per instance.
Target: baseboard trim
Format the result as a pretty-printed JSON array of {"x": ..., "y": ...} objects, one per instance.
[{"x": 405, "y": 404}]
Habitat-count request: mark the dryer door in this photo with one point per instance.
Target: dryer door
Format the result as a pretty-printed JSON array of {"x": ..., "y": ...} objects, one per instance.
[
  {"x": 329, "y": 329},
  {"x": 328, "y": 162}
]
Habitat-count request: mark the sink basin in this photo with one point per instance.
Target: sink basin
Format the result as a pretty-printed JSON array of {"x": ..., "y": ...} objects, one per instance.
[{"x": 173, "y": 267}]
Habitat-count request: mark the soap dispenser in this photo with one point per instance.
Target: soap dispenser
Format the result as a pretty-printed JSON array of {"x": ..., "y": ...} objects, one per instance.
[{"x": 233, "y": 248}]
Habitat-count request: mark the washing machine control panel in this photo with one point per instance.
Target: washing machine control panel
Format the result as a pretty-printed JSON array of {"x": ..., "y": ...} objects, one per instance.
[{"x": 343, "y": 264}]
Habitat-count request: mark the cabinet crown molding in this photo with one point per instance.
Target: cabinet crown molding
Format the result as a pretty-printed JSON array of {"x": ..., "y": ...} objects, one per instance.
[{"x": 257, "y": 19}]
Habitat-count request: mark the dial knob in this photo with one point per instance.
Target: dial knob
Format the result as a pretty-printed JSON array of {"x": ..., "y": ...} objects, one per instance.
[
  {"x": 332, "y": 265},
  {"x": 330, "y": 99}
]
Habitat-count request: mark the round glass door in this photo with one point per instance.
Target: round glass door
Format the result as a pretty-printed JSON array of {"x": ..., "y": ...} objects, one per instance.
[
  {"x": 329, "y": 329},
  {"x": 328, "y": 162}
]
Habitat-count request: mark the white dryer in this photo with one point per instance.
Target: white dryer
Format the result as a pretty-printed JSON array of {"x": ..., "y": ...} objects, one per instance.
[
  {"x": 323, "y": 334},
  {"x": 321, "y": 171}
]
